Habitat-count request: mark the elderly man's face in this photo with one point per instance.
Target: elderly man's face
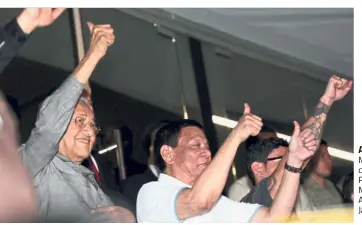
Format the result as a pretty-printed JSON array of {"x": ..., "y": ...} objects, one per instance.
[
  {"x": 79, "y": 138},
  {"x": 192, "y": 153}
]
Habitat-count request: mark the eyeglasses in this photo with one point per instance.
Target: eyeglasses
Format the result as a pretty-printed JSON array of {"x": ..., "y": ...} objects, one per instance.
[
  {"x": 81, "y": 123},
  {"x": 274, "y": 158}
]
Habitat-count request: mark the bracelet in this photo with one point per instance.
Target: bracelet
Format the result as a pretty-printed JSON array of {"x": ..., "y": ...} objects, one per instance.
[{"x": 293, "y": 169}]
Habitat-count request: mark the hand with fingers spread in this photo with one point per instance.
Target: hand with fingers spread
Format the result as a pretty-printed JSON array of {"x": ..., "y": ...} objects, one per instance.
[
  {"x": 302, "y": 146},
  {"x": 248, "y": 124},
  {"x": 32, "y": 18},
  {"x": 101, "y": 38},
  {"x": 115, "y": 214},
  {"x": 336, "y": 89}
]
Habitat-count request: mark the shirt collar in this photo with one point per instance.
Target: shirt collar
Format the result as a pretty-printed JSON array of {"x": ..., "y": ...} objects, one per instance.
[{"x": 169, "y": 180}]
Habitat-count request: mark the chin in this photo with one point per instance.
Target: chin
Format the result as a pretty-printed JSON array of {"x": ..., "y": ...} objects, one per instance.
[{"x": 84, "y": 154}]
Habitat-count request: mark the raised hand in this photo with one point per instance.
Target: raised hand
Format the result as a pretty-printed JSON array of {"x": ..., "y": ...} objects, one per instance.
[
  {"x": 32, "y": 18},
  {"x": 302, "y": 146},
  {"x": 248, "y": 124},
  {"x": 336, "y": 89},
  {"x": 101, "y": 38}
]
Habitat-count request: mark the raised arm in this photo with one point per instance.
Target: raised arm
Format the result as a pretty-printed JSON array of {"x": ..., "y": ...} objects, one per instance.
[
  {"x": 17, "y": 31},
  {"x": 56, "y": 111},
  {"x": 299, "y": 151},
  {"x": 208, "y": 187},
  {"x": 336, "y": 89}
]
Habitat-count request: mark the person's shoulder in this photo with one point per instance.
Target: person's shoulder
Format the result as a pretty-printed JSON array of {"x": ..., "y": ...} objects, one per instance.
[{"x": 151, "y": 187}]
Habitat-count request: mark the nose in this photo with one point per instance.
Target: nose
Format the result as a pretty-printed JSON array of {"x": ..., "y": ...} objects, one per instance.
[
  {"x": 206, "y": 153},
  {"x": 88, "y": 130}
]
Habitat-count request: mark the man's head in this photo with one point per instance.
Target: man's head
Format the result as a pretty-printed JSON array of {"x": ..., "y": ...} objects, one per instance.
[
  {"x": 182, "y": 149},
  {"x": 78, "y": 140},
  {"x": 321, "y": 162},
  {"x": 264, "y": 157},
  {"x": 149, "y": 139}
]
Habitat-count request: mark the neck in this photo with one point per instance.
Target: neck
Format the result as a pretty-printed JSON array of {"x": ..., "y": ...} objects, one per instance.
[
  {"x": 180, "y": 175},
  {"x": 318, "y": 179},
  {"x": 76, "y": 160}
]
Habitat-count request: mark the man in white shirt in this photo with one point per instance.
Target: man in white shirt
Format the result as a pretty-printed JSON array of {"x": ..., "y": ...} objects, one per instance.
[{"x": 190, "y": 188}]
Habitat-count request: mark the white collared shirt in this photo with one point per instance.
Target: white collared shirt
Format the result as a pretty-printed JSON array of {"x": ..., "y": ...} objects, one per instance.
[{"x": 156, "y": 203}]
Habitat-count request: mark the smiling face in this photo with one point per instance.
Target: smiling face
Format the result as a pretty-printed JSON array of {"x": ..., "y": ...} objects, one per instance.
[
  {"x": 191, "y": 155},
  {"x": 79, "y": 138}
]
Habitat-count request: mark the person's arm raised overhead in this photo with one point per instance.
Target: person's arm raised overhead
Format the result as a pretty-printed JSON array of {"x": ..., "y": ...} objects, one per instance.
[
  {"x": 337, "y": 88},
  {"x": 301, "y": 148},
  {"x": 209, "y": 185},
  {"x": 56, "y": 111},
  {"x": 17, "y": 31}
]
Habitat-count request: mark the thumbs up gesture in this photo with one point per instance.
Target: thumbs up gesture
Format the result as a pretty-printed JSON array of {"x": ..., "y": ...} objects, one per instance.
[
  {"x": 248, "y": 124},
  {"x": 102, "y": 37},
  {"x": 302, "y": 146}
]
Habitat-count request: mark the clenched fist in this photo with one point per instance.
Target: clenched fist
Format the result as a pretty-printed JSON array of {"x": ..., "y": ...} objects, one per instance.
[
  {"x": 101, "y": 38},
  {"x": 336, "y": 89},
  {"x": 248, "y": 124}
]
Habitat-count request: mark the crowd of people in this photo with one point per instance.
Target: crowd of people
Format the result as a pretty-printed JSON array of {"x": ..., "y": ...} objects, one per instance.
[{"x": 54, "y": 176}]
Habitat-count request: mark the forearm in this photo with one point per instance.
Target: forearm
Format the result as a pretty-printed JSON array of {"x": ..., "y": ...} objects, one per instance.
[
  {"x": 212, "y": 180},
  {"x": 316, "y": 123},
  {"x": 285, "y": 198},
  {"x": 277, "y": 176},
  {"x": 85, "y": 69}
]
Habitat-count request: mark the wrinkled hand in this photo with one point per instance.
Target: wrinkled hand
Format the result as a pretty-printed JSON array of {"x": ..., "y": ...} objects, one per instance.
[
  {"x": 32, "y": 18},
  {"x": 116, "y": 213},
  {"x": 248, "y": 124},
  {"x": 101, "y": 38},
  {"x": 337, "y": 88},
  {"x": 302, "y": 145}
]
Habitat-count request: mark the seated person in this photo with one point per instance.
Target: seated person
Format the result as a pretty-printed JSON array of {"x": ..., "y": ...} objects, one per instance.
[
  {"x": 63, "y": 137},
  {"x": 190, "y": 188}
]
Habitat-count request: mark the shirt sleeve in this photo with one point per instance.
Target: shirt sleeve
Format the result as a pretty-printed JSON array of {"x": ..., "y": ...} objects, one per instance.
[
  {"x": 12, "y": 39},
  {"x": 52, "y": 121},
  {"x": 156, "y": 203}
]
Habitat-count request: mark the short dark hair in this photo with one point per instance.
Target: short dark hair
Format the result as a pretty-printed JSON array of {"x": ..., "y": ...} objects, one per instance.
[
  {"x": 168, "y": 135},
  {"x": 323, "y": 142},
  {"x": 149, "y": 135},
  {"x": 259, "y": 152},
  {"x": 252, "y": 140}
]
